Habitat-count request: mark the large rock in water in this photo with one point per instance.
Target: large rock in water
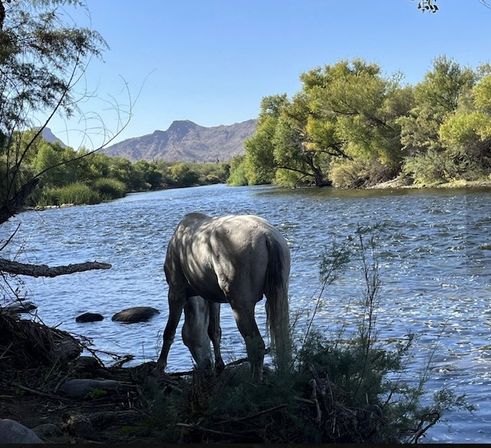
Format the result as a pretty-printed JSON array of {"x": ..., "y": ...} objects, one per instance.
[
  {"x": 89, "y": 317},
  {"x": 135, "y": 314},
  {"x": 14, "y": 432}
]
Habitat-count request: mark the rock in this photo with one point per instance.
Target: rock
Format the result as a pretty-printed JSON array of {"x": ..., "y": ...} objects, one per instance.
[
  {"x": 135, "y": 314},
  {"x": 66, "y": 349},
  {"x": 47, "y": 430},
  {"x": 81, "y": 387},
  {"x": 89, "y": 317},
  {"x": 14, "y": 432},
  {"x": 79, "y": 425},
  {"x": 86, "y": 364},
  {"x": 20, "y": 307}
]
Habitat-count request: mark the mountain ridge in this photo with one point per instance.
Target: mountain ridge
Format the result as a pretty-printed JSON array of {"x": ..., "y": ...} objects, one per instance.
[{"x": 187, "y": 141}]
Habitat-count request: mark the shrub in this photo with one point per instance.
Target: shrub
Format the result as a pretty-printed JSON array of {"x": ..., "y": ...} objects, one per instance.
[
  {"x": 436, "y": 167},
  {"x": 109, "y": 188},
  {"x": 237, "y": 173},
  {"x": 359, "y": 173},
  {"x": 76, "y": 194}
]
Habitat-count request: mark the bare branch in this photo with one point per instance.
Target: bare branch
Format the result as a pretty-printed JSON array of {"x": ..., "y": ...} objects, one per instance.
[{"x": 42, "y": 270}]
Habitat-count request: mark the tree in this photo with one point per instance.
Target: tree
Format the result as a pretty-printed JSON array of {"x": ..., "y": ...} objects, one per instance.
[
  {"x": 466, "y": 133},
  {"x": 436, "y": 97},
  {"x": 345, "y": 113},
  {"x": 260, "y": 165},
  {"x": 41, "y": 59}
]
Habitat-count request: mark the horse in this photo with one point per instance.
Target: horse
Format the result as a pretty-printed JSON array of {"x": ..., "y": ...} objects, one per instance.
[{"x": 235, "y": 259}]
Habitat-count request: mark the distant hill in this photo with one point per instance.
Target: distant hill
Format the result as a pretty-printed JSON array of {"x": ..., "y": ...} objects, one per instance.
[
  {"x": 50, "y": 137},
  {"x": 187, "y": 141}
]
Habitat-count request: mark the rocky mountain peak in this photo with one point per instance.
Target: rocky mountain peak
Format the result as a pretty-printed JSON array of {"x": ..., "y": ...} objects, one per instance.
[{"x": 187, "y": 141}]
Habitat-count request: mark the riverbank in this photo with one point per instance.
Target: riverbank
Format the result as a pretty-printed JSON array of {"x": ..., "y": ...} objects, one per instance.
[
  {"x": 401, "y": 184},
  {"x": 332, "y": 394}
]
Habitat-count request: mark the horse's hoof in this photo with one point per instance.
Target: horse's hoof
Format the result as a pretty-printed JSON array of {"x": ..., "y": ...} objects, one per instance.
[{"x": 219, "y": 367}]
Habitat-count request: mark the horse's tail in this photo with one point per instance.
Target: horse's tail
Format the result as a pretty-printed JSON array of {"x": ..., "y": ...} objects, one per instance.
[{"x": 276, "y": 291}]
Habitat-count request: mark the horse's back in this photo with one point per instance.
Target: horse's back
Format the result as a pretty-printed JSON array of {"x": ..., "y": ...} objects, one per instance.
[{"x": 218, "y": 255}]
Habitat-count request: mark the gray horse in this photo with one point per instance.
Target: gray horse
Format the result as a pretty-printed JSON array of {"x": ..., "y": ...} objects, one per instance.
[{"x": 231, "y": 259}]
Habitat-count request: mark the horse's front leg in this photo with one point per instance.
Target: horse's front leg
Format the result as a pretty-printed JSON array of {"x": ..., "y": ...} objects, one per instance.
[
  {"x": 177, "y": 299},
  {"x": 215, "y": 334}
]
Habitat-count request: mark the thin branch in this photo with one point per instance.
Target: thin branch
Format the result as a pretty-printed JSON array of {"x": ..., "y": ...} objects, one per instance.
[
  {"x": 42, "y": 270},
  {"x": 9, "y": 239}
]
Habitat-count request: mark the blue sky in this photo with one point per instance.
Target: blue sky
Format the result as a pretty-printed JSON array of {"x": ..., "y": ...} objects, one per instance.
[{"x": 211, "y": 61}]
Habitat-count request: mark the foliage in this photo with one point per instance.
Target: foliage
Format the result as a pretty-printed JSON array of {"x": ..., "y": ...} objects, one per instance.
[
  {"x": 352, "y": 127},
  {"x": 109, "y": 188},
  {"x": 237, "y": 175},
  {"x": 359, "y": 173},
  {"x": 436, "y": 97},
  {"x": 108, "y": 177},
  {"x": 75, "y": 194},
  {"x": 41, "y": 57},
  {"x": 344, "y": 111}
]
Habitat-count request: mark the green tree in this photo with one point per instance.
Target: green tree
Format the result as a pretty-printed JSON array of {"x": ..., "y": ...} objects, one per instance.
[
  {"x": 40, "y": 58},
  {"x": 345, "y": 113},
  {"x": 182, "y": 175},
  {"x": 259, "y": 164},
  {"x": 436, "y": 97},
  {"x": 466, "y": 133}
]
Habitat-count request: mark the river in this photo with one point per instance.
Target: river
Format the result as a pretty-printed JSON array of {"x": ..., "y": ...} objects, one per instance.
[{"x": 432, "y": 245}]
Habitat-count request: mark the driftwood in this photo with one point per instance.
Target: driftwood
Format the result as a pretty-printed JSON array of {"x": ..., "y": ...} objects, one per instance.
[{"x": 43, "y": 270}]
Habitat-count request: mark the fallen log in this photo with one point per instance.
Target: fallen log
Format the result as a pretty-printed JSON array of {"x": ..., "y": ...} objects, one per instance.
[{"x": 43, "y": 270}]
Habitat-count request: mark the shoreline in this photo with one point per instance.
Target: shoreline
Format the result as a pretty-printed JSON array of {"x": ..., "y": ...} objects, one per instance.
[
  {"x": 399, "y": 184},
  {"x": 394, "y": 184}
]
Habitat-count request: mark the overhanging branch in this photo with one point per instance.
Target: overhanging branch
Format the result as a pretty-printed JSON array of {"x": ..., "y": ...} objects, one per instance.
[{"x": 43, "y": 270}]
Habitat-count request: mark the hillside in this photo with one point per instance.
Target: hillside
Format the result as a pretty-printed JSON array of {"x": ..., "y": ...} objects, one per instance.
[{"x": 187, "y": 141}]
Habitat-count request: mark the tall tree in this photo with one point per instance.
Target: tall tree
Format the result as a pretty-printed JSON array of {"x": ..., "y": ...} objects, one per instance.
[
  {"x": 41, "y": 57},
  {"x": 436, "y": 97},
  {"x": 260, "y": 164}
]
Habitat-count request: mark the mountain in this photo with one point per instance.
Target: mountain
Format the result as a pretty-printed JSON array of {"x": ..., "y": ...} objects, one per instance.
[
  {"x": 187, "y": 141},
  {"x": 50, "y": 137}
]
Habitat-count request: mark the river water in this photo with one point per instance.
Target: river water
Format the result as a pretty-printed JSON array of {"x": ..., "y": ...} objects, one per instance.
[{"x": 433, "y": 248}]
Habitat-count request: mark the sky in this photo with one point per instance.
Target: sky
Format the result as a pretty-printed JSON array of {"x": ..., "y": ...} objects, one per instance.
[{"x": 211, "y": 61}]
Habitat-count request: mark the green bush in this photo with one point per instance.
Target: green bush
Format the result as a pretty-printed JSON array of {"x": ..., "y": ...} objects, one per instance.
[
  {"x": 359, "y": 173},
  {"x": 437, "y": 167},
  {"x": 237, "y": 175},
  {"x": 76, "y": 194},
  {"x": 109, "y": 188}
]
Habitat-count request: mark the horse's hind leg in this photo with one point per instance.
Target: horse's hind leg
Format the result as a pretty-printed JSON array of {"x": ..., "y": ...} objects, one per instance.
[
  {"x": 177, "y": 299},
  {"x": 244, "y": 316},
  {"x": 215, "y": 334}
]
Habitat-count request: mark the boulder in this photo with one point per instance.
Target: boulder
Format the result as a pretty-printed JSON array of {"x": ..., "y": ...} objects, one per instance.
[
  {"x": 135, "y": 314},
  {"x": 66, "y": 348},
  {"x": 89, "y": 317},
  {"x": 81, "y": 387},
  {"x": 14, "y": 432}
]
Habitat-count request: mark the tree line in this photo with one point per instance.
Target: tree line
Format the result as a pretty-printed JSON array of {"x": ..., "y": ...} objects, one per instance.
[
  {"x": 350, "y": 126},
  {"x": 98, "y": 177}
]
